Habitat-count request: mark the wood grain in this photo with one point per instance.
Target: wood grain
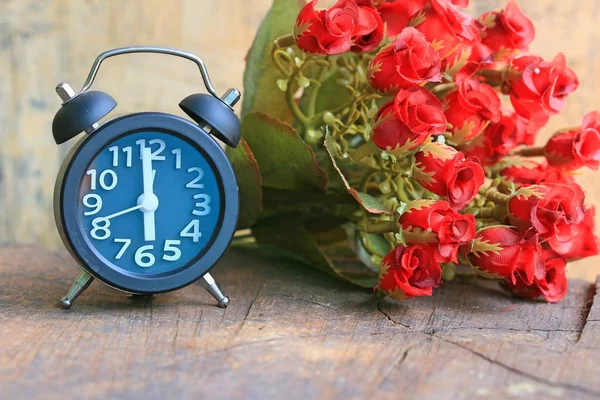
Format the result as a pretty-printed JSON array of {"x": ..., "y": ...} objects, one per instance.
[
  {"x": 289, "y": 332},
  {"x": 46, "y": 42}
]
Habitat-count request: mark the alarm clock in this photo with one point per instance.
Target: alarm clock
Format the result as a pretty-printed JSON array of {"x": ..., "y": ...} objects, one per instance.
[{"x": 146, "y": 203}]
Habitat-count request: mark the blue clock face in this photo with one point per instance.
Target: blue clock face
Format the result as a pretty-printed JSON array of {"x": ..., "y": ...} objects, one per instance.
[{"x": 150, "y": 202}]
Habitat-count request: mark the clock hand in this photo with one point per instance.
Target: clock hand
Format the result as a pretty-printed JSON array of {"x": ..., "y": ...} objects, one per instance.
[
  {"x": 150, "y": 201},
  {"x": 117, "y": 214}
]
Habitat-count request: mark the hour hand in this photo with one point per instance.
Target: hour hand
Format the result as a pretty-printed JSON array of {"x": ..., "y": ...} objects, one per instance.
[{"x": 148, "y": 200}]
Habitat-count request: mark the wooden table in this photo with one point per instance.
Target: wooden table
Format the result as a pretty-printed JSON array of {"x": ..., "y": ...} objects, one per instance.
[{"x": 290, "y": 332}]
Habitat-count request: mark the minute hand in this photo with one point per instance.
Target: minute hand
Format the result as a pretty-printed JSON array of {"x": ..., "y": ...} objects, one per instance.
[{"x": 150, "y": 201}]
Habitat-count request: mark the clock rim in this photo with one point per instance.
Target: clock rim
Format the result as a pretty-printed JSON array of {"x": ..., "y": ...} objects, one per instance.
[{"x": 68, "y": 219}]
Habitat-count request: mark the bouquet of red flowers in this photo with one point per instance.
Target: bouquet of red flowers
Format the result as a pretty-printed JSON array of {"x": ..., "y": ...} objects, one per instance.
[{"x": 400, "y": 133}]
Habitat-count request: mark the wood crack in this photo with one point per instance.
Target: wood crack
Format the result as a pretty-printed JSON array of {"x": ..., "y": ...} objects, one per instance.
[
  {"x": 308, "y": 301},
  {"x": 587, "y": 309},
  {"x": 567, "y": 386},
  {"x": 390, "y": 318}
]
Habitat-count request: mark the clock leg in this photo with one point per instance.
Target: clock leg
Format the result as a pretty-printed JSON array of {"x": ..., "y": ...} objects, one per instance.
[
  {"x": 211, "y": 286},
  {"x": 81, "y": 283}
]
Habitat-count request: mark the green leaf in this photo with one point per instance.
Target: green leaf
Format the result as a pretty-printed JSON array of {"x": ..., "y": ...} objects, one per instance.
[
  {"x": 332, "y": 93},
  {"x": 260, "y": 77},
  {"x": 288, "y": 233},
  {"x": 285, "y": 161},
  {"x": 368, "y": 202},
  {"x": 249, "y": 180}
]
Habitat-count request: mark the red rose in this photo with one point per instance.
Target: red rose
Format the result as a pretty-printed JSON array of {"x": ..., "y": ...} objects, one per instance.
[
  {"x": 369, "y": 33},
  {"x": 479, "y": 148},
  {"x": 474, "y": 53},
  {"x": 508, "y": 29},
  {"x": 524, "y": 171},
  {"x": 343, "y": 27},
  {"x": 505, "y": 134},
  {"x": 444, "y": 171},
  {"x": 497, "y": 140},
  {"x": 407, "y": 121},
  {"x": 397, "y": 13},
  {"x": 542, "y": 87},
  {"x": 585, "y": 242},
  {"x": 460, "y": 3},
  {"x": 409, "y": 272},
  {"x": 504, "y": 253},
  {"x": 407, "y": 61},
  {"x": 553, "y": 286},
  {"x": 551, "y": 209},
  {"x": 446, "y": 26},
  {"x": 574, "y": 149},
  {"x": 436, "y": 223},
  {"x": 471, "y": 107}
]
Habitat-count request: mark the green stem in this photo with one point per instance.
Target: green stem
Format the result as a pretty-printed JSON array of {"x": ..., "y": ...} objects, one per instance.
[
  {"x": 497, "y": 197},
  {"x": 312, "y": 100},
  {"x": 444, "y": 87},
  {"x": 284, "y": 41},
  {"x": 363, "y": 151},
  {"x": 381, "y": 227},
  {"x": 530, "y": 152},
  {"x": 289, "y": 97}
]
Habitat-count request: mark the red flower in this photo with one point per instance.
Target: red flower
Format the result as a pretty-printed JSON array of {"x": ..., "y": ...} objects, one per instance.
[
  {"x": 343, "y": 27},
  {"x": 505, "y": 134},
  {"x": 444, "y": 171},
  {"x": 585, "y": 242},
  {"x": 551, "y": 209},
  {"x": 479, "y": 148},
  {"x": 529, "y": 172},
  {"x": 397, "y": 13},
  {"x": 508, "y": 29},
  {"x": 407, "y": 121},
  {"x": 460, "y": 3},
  {"x": 436, "y": 223},
  {"x": 542, "y": 87},
  {"x": 407, "y": 61},
  {"x": 553, "y": 286},
  {"x": 408, "y": 272},
  {"x": 504, "y": 253},
  {"x": 471, "y": 107},
  {"x": 477, "y": 54},
  {"x": 447, "y": 27},
  {"x": 577, "y": 148},
  {"x": 497, "y": 140}
]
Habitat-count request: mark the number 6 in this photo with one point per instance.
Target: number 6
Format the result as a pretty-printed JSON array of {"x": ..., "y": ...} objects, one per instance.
[{"x": 143, "y": 253}]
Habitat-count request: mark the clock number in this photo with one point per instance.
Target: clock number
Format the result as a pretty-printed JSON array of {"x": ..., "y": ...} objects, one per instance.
[
  {"x": 192, "y": 230},
  {"x": 92, "y": 201},
  {"x": 93, "y": 177},
  {"x": 156, "y": 153},
  {"x": 126, "y": 243},
  {"x": 203, "y": 205},
  {"x": 129, "y": 154},
  {"x": 193, "y": 184},
  {"x": 115, "y": 155},
  {"x": 171, "y": 246},
  {"x": 143, "y": 257},
  {"x": 177, "y": 153},
  {"x": 100, "y": 229},
  {"x": 93, "y": 173}
]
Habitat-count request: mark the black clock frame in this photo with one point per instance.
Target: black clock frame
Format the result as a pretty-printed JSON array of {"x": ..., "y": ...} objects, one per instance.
[{"x": 68, "y": 219}]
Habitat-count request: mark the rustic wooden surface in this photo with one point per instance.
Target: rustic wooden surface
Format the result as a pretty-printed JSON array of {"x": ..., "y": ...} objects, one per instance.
[
  {"x": 290, "y": 332},
  {"x": 46, "y": 42}
]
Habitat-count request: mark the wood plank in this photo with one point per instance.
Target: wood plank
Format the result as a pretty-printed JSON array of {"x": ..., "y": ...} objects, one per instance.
[{"x": 289, "y": 331}]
